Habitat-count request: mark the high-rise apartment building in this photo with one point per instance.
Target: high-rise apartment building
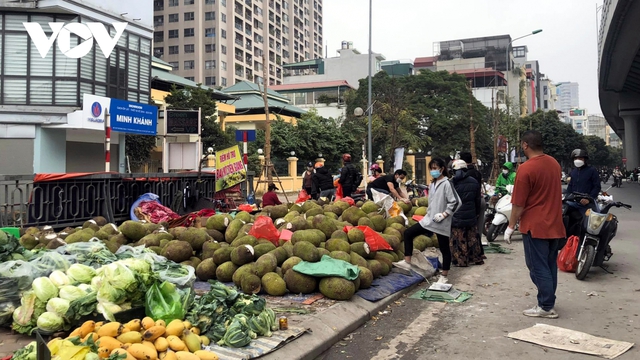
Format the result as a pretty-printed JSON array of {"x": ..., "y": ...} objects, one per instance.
[
  {"x": 222, "y": 42},
  {"x": 568, "y": 96}
]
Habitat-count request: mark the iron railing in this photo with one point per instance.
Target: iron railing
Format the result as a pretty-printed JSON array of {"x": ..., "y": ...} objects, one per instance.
[{"x": 71, "y": 202}]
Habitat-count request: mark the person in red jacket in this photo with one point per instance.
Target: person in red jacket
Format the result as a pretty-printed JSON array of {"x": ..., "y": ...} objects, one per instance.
[{"x": 270, "y": 197}]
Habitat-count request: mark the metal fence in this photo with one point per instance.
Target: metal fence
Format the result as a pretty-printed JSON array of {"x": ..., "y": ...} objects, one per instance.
[{"x": 71, "y": 202}]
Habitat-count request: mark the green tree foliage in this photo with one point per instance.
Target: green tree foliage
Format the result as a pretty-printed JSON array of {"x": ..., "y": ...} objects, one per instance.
[
  {"x": 559, "y": 138},
  {"x": 138, "y": 148},
  {"x": 597, "y": 148},
  {"x": 198, "y": 97},
  {"x": 428, "y": 111}
]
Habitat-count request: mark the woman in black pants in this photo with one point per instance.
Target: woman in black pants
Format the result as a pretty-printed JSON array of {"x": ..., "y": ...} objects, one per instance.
[{"x": 443, "y": 203}]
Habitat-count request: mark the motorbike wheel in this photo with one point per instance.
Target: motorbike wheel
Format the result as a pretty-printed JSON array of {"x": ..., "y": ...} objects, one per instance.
[
  {"x": 585, "y": 261},
  {"x": 494, "y": 231},
  {"x": 487, "y": 224}
]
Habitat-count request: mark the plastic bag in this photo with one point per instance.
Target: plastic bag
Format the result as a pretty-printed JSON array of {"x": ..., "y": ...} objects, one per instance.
[
  {"x": 338, "y": 187},
  {"x": 263, "y": 228},
  {"x": 375, "y": 241},
  {"x": 164, "y": 302},
  {"x": 395, "y": 210},
  {"x": 51, "y": 260},
  {"x": 349, "y": 201},
  {"x": 245, "y": 207},
  {"x": 303, "y": 196},
  {"x": 567, "y": 260},
  {"x": 180, "y": 275},
  {"x": 386, "y": 202},
  {"x": 21, "y": 271}
]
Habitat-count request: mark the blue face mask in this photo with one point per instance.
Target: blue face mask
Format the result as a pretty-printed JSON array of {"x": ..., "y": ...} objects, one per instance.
[{"x": 435, "y": 173}]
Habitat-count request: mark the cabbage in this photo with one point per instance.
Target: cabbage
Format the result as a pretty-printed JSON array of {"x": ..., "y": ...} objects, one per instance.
[
  {"x": 70, "y": 292},
  {"x": 107, "y": 310},
  {"x": 44, "y": 289},
  {"x": 110, "y": 294},
  {"x": 50, "y": 322},
  {"x": 81, "y": 273},
  {"x": 95, "y": 282},
  {"x": 59, "y": 278},
  {"x": 120, "y": 277},
  {"x": 58, "y": 306},
  {"x": 85, "y": 287}
]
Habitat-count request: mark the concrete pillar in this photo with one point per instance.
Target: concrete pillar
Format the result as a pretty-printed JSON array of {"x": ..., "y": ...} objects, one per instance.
[
  {"x": 380, "y": 163},
  {"x": 631, "y": 136},
  {"x": 49, "y": 150},
  {"x": 429, "y": 178},
  {"x": 211, "y": 161},
  {"x": 411, "y": 159},
  {"x": 293, "y": 167},
  {"x": 365, "y": 172}
]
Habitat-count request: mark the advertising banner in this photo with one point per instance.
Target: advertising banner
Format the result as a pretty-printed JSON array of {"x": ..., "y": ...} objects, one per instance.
[{"x": 230, "y": 170}]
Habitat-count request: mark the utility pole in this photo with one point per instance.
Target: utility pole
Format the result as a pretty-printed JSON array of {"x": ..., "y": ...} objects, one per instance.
[
  {"x": 267, "y": 132},
  {"x": 472, "y": 130},
  {"x": 496, "y": 167}
]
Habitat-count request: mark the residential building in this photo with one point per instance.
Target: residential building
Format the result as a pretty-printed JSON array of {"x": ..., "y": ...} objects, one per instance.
[
  {"x": 42, "y": 126},
  {"x": 614, "y": 140},
  {"x": 350, "y": 65},
  {"x": 223, "y": 42},
  {"x": 425, "y": 63},
  {"x": 568, "y": 96},
  {"x": 398, "y": 68},
  {"x": 533, "y": 75},
  {"x": 548, "y": 94},
  {"x": 597, "y": 126},
  {"x": 579, "y": 121},
  {"x": 249, "y": 107},
  {"x": 326, "y": 97}
]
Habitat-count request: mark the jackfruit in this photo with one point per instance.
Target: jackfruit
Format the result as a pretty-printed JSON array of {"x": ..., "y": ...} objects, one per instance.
[
  {"x": 358, "y": 260},
  {"x": 244, "y": 270},
  {"x": 177, "y": 251},
  {"x": 244, "y": 240},
  {"x": 90, "y": 224},
  {"x": 365, "y": 276},
  {"x": 341, "y": 255},
  {"x": 290, "y": 263},
  {"x": 307, "y": 205},
  {"x": 313, "y": 236},
  {"x": 421, "y": 242},
  {"x": 297, "y": 224},
  {"x": 339, "y": 234},
  {"x": 119, "y": 239},
  {"x": 376, "y": 268},
  {"x": 291, "y": 215},
  {"x": 206, "y": 270},
  {"x": 379, "y": 223},
  {"x": 194, "y": 236},
  {"x": 278, "y": 211},
  {"x": 222, "y": 255},
  {"x": 306, "y": 251},
  {"x": 79, "y": 236},
  {"x": 404, "y": 206},
  {"x": 423, "y": 202},
  {"x": 324, "y": 224},
  {"x": 288, "y": 246},
  {"x": 296, "y": 208},
  {"x": 355, "y": 236},
  {"x": 365, "y": 221},
  {"x": 100, "y": 221},
  {"x": 273, "y": 284},
  {"x": 392, "y": 240},
  {"x": 149, "y": 240},
  {"x": 395, "y": 219},
  {"x": 251, "y": 284},
  {"x": 242, "y": 254},
  {"x": 28, "y": 241},
  {"x": 224, "y": 272},
  {"x": 422, "y": 211},
  {"x": 369, "y": 207},
  {"x": 360, "y": 248},
  {"x": 313, "y": 212},
  {"x": 337, "y": 288},
  {"x": 265, "y": 264},
  {"x": 233, "y": 229},
  {"x": 218, "y": 222},
  {"x": 338, "y": 245},
  {"x": 298, "y": 283},
  {"x": 208, "y": 249},
  {"x": 342, "y": 205},
  {"x": 133, "y": 230},
  {"x": 244, "y": 216},
  {"x": 352, "y": 215},
  {"x": 264, "y": 248},
  {"x": 280, "y": 254},
  {"x": 215, "y": 234}
]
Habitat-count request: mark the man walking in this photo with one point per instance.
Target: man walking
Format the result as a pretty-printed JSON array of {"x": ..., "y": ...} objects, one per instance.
[{"x": 537, "y": 204}]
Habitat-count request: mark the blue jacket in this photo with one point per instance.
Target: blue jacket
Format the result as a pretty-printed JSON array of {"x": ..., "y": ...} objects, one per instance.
[{"x": 585, "y": 180}]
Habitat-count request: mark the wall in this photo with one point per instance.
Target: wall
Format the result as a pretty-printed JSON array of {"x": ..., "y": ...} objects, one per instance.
[
  {"x": 21, "y": 160},
  {"x": 484, "y": 96},
  {"x": 49, "y": 150},
  {"x": 88, "y": 157}
]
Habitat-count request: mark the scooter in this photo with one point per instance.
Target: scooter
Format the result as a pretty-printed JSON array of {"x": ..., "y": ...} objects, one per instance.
[
  {"x": 501, "y": 218},
  {"x": 416, "y": 190},
  {"x": 596, "y": 231},
  {"x": 617, "y": 181}
]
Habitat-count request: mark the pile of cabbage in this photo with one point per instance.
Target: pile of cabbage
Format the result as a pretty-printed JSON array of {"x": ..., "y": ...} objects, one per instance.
[{"x": 58, "y": 301}]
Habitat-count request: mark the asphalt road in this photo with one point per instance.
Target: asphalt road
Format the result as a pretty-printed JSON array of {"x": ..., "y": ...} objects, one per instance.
[{"x": 606, "y": 305}]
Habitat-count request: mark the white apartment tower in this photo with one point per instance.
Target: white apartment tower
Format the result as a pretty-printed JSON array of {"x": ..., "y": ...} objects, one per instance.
[
  {"x": 568, "y": 96},
  {"x": 222, "y": 42}
]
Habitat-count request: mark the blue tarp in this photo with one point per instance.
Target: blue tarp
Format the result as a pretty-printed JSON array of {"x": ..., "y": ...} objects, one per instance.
[
  {"x": 143, "y": 197},
  {"x": 387, "y": 285}
]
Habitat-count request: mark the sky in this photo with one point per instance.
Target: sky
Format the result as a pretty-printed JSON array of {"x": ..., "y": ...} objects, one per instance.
[{"x": 406, "y": 29}]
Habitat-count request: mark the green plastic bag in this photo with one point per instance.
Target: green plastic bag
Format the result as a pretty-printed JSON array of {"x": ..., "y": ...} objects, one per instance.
[{"x": 163, "y": 302}]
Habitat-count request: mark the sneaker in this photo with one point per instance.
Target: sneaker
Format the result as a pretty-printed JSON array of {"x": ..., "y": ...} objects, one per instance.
[
  {"x": 442, "y": 279},
  {"x": 537, "y": 311}
]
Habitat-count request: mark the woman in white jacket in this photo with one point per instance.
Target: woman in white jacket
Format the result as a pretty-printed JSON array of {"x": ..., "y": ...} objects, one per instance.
[{"x": 443, "y": 203}]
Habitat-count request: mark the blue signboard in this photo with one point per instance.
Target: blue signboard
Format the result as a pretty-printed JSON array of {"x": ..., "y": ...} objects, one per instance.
[
  {"x": 133, "y": 118},
  {"x": 251, "y": 135}
]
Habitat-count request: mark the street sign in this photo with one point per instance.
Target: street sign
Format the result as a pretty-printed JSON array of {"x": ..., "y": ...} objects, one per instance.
[
  {"x": 182, "y": 121},
  {"x": 624, "y": 160},
  {"x": 251, "y": 135},
  {"x": 133, "y": 118}
]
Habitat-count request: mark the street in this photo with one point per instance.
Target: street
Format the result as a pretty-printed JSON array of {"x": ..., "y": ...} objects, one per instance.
[{"x": 603, "y": 305}]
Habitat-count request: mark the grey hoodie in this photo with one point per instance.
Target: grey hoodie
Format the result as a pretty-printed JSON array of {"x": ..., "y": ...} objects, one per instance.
[{"x": 443, "y": 198}]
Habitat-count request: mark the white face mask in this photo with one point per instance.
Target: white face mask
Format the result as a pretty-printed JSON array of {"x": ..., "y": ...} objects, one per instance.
[
  {"x": 578, "y": 163},
  {"x": 399, "y": 181},
  {"x": 505, "y": 172}
]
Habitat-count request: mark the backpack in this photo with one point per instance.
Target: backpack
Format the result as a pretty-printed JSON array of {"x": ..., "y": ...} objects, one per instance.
[{"x": 358, "y": 178}]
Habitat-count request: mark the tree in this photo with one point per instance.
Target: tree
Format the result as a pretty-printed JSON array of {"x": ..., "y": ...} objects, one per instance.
[
  {"x": 198, "y": 97},
  {"x": 559, "y": 139},
  {"x": 138, "y": 148},
  {"x": 597, "y": 148}
]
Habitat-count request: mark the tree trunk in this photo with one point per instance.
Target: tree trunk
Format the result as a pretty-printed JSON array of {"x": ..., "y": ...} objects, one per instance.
[
  {"x": 496, "y": 167},
  {"x": 472, "y": 130}
]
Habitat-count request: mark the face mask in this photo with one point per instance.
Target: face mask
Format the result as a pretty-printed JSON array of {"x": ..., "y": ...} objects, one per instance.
[
  {"x": 506, "y": 172},
  {"x": 578, "y": 163},
  {"x": 399, "y": 181},
  {"x": 435, "y": 173}
]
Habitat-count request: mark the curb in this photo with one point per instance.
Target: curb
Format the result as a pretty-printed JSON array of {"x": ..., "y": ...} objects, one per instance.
[{"x": 330, "y": 326}]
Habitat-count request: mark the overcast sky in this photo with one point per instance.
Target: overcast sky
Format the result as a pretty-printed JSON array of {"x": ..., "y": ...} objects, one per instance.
[{"x": 406, "y": 29}]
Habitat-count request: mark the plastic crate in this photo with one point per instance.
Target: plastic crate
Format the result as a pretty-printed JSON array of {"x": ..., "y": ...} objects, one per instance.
[{"x": 12, "y": 231}]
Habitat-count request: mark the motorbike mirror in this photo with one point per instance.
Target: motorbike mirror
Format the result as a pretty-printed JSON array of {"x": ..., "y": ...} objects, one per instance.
[{"x": 408, "y": 182}]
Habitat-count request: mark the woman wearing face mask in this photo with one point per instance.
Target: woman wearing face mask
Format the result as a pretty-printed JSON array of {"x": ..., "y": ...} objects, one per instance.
[{"x": 443, "y": 203}]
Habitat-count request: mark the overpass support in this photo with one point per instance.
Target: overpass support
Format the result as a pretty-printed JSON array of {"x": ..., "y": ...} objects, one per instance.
[{"x": 631, "y": 136}]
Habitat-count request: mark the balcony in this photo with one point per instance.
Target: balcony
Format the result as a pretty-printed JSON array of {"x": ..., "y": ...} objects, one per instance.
[
  {"x": 248, "y": 59},
  {"x": 239, "y": 57},
  {"x": 248, "y": 46},
  {"x": 238, "y": 26},
  {"x": 248, "y": 2},
  {"x": 239, "y": 10},
  {"x": 238, "y": 42}
]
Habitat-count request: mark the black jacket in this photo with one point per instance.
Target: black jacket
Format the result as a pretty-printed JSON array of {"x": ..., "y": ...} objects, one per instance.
[
  {"x": 474, "y": 173},
  {"x": 469, "y": 191},
  {"x": 585, "y": 180},
  {"x": 322, "y": 180},
  {"x": 348, "y": 175}
]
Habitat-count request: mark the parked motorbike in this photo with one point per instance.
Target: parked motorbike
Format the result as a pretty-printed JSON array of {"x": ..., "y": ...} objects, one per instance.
[
  {"x": 501, "y": 218},
  {"x": 359, "y": 195},
  {"x": 416, "y": 190},
  {"x": 595, "y": 230},
  {"x": 489, "y": 213}
]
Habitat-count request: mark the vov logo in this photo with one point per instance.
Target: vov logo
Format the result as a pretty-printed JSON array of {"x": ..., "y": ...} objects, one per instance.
[{"x": 86, "y": 31}]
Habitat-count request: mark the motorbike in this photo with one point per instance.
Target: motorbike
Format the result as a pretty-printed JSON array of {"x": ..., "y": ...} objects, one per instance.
[
  {"x": 359, "y": 195},
  {"x": 596, "y": 230},
  {"x": 617, "y": 181},
  {"x": 489, "y": 213},
  {"x": 604, "y": 178},
  {"x": 416, "y": 190},
  {"x": 501, "y": 218}
]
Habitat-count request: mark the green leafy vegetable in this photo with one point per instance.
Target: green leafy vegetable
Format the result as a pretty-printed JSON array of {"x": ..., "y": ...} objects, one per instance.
[
  {"x": 28, "y": 352},
  {"x": 44, "y": 289},
  {"x": 70, "y": 292},
  {"x": 59, "y": 278},
  {"x": 82, "y": 274},
  {"x": 50, "y": 322},
  {"x": 58, "y": 305}
]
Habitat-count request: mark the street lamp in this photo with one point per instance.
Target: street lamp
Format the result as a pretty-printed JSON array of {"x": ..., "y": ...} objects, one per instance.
[
  {"x": 508, "y": 58},
  {"x": 293, "y": 153},
  {"x": 260, "y": 151},
  {"x": 369, "y": 85}
]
